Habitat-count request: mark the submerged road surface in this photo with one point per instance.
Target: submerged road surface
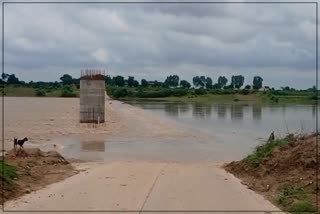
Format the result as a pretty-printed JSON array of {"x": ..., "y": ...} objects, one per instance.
[
  {"x": 138, "y": 184},
  {"x": 145, "y": 186}
]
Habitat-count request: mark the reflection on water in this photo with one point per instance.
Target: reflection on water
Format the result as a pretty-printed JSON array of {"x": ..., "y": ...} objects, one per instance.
[
  {"x": 236, "y": 116},
  {"x": 214, "y": 131},
  {"x": 93, "y": 146},
  {"x": 256, "y": 112},
  {"x": 236, "y": 112},
  {"x": 221, "y": 110}
]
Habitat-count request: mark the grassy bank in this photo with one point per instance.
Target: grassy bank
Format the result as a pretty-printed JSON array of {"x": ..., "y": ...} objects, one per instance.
[
  {"x": 25, "y": 91},
  {"x": 203, "y": 95},
  {"x": 171, "y": 94},
  {"x": 27, "y": 170},
  {"x": 283, "y": 170}
]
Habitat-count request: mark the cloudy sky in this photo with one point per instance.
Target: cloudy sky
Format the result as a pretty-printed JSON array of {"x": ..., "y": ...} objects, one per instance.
[{"x": 275, "y": 41}]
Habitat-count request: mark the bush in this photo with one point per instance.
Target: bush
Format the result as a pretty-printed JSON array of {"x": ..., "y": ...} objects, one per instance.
[
  {"x": 314, "y": 97},
  {"x": 7, "y": 172},
  {"x": 200, "y": 91},
  {"x": 265, "y": 150},
  {"x": 179, "y": 92},
  {"x": 244, "y": 92},
  {"x": 119, "y": 92},
  {"x": 40, "y": 92},
  {"x": 67, "y": 91}
]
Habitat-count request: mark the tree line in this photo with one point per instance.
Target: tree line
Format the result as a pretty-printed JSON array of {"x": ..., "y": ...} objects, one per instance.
[{"x": 173, "y": 81}]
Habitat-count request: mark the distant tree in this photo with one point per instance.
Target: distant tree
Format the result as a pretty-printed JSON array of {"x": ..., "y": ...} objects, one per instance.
[
  {"x": 118, "y": 81},
  {"x": 158, "y": 84},
  {"x": 248, "y": 87},
  {"x": 257, "y": 82},
  {"x": 12, "y": 79},
  {"x": 222, "y": 81},
  {"x": 199, "y": 81},
  {"x": 203, "y": 80},
  {"x": 237, "y": 81},
  {"x": 66, "y": 79},
  {"x": 216, "y": 86},
  {"x": 196, "y": 81},
  {"x": 135, "y": 83},
  {"x": 185, "y": 84},
  {"x": 208, "y": 83},
  {"x": 108, "y": 80},
  {"x": 4, "y": 77},
  {"x": 287, "y": 88},
  {"x": 144, "y": 83},
  {"x": 130, "y": 81},
  {"x": 172, "y": 81}
]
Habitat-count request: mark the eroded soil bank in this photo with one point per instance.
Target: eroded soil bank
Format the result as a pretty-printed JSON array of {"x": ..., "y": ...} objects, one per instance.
[
  {"x": 33, "y": 170},
  {"x": 286, "y": 175}
]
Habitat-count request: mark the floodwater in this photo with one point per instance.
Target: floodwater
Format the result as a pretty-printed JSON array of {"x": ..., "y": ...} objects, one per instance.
[{"x": 218, "y": 132}]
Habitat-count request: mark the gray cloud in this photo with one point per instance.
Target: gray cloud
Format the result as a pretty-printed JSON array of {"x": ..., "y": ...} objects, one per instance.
[{"x": 150, "y": 41}]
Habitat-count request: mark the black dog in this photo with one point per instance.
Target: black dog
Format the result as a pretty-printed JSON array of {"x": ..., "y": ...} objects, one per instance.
[{"x": 19, "y": 142}]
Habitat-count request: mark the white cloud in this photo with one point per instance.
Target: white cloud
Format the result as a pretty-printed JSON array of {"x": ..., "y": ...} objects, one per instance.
[
  {"x": 155, "y": 40},
  {"x": 100, "y": 55}
]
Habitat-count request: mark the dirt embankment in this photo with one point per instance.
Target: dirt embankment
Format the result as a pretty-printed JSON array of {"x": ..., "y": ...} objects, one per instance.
[
  {"x": 34, "y": 170},
  {"x": 286, "y": 175}
]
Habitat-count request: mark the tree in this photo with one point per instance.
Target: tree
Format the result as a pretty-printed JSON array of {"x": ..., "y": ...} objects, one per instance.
[
  {"x": 237, "y": 81},
  {"x": 130, "y": 81},
  {"x": 208, "y": 83},
  {"x": 118, "y": 81},
  {"x": 66, "y": 79},
  {"x": 4, "y": 77},
  {"x": 185, "y": 84},
  {"x": 172, "y": 81},
  {"x": 12, "y": 79},
  {"x": 222, "y": 81},
  {"x": 198, "y": 81},
  {"x": 257, "y": 82},
  {"x": 135, "y": 83},
  {"x": 144, "y": 83},
  {"x": 203, "y": 80},
  {"x": 108, "y": 80}
]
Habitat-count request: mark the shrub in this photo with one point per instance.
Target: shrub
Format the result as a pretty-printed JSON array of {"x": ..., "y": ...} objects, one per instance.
[
  {"x": 7, "y": 172},
  {"x": 314, "y": 97},
  {"x": 119, "y": 92},
  {"x": 179, "y": 92},
  {"x": 244, "y": 92},
  {"x": 200, "y": 91},
  {"x": 67, "y": 91},
  {"x": 40, "y": 92},
  {"x": 265, "y": 150}
]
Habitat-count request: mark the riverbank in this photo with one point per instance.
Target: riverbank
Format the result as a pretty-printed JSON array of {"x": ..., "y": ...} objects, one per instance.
[
  {"x": 28, "y": 170},
  {"x": 284, "y": 171},
  {"x": 175, "y": 94}
]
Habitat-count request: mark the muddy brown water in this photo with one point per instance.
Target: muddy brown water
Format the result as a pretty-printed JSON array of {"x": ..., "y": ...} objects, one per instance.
[
  {"x": 220, "y": 132},
  {"x": 216, "y": 131}
]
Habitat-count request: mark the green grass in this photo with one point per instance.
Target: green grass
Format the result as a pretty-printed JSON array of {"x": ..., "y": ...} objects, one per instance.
[
  {"x": 295, "y": 199},
  {"x": 19, "y": 91},
  {"x": 7, "y": 172},
  {"x": 22, "y": 91},
  {"x": 264, "y": 150}
]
